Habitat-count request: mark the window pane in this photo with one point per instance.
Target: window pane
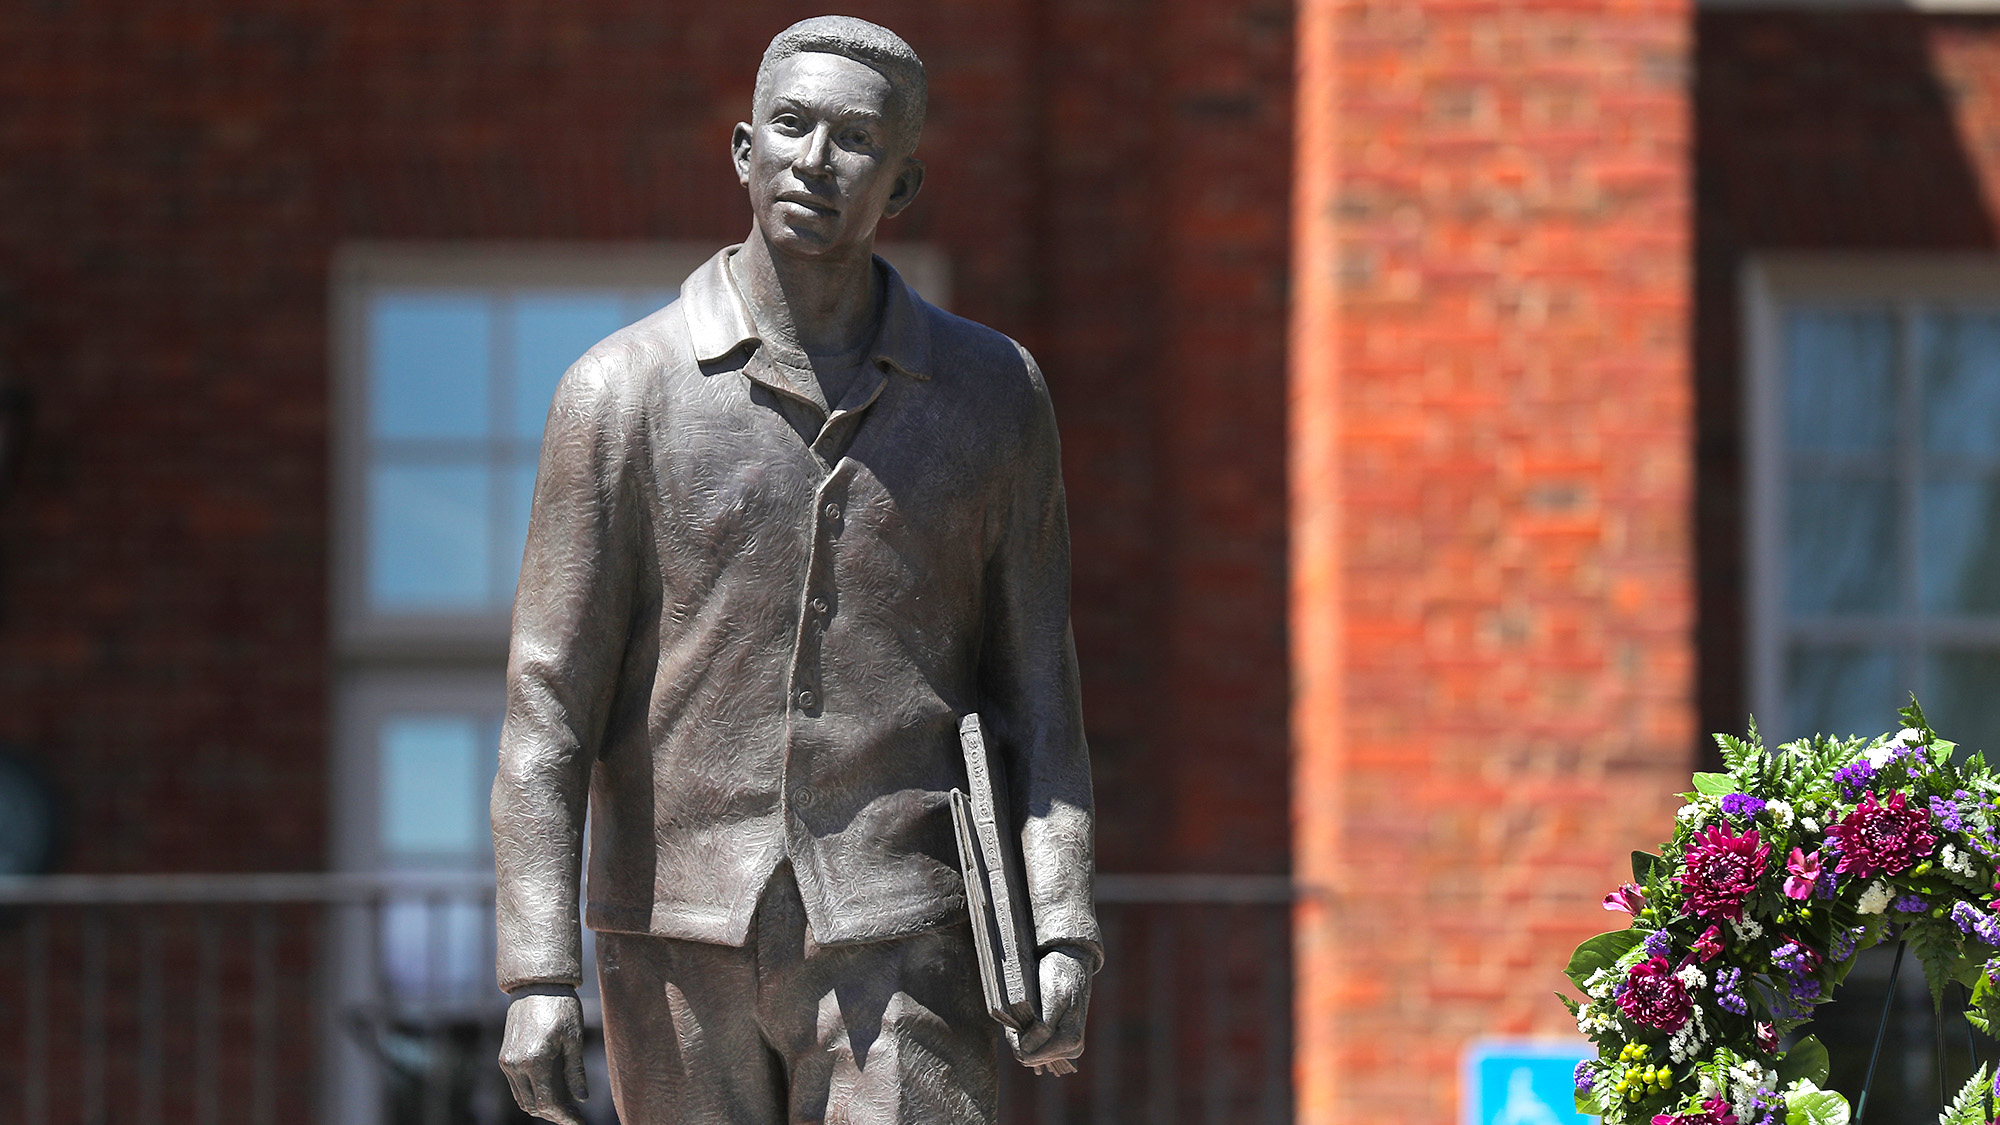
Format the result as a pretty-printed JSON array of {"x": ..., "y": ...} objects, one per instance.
[
  {"x": 1841, "y": 546},
  {"x": 1961, "y": 556},
  {"x": 428, "y": 537},
  {"x": 1961, "y": 693},
  {"x": 519, "y": 497},
  {"x": 1839, "y": 380},
  {"x": 550, "y": 331},
  {"x": 428, "y": 362},
  {"x": 431, "y": 785},
  {"x": 1841, "y": 691},
  {"x": 1959, "y": 357}
]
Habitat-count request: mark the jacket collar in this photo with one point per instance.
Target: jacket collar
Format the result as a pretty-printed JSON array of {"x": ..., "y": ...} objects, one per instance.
[{"x": 719, "y": 320}]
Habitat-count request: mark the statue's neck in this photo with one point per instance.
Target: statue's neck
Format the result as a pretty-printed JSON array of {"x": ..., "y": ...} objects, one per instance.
[{"x": 817, "y": 305}]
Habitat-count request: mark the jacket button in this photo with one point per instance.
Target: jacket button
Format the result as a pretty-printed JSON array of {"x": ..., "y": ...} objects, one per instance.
[
  {"x": 807, "y": 698},
  {"x": 831, "y": 511},
  {"x": 819, "y": 605},
  {"x": 805, "y": 797}
]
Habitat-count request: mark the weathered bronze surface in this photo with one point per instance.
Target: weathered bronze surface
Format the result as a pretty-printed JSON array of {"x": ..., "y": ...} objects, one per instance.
[{"x": 787, "y": 531}]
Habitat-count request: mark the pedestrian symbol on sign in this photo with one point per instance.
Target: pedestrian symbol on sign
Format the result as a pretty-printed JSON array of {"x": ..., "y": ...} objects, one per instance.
[{"x": 1522, "y": 1083}]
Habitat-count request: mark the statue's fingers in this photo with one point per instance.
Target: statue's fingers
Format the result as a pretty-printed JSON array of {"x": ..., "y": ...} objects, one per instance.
[
  {"x": 524, "y": 1093},
  {"x": 1028, "y": 1041},
  {"x": 552, "y": 1104},
  {"x": 579, "y": 1082}
]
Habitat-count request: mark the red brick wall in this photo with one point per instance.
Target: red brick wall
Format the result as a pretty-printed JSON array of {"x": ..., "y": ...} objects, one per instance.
[
  {"x": 1866, "y": 131},
  {"x": 1109, "y": 179},
  {"x": 1492, "y": 592}
]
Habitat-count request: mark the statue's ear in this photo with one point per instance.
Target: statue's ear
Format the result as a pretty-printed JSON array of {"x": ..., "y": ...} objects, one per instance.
[
  {"x": 908, "y": 182},
  {"x": 739, "y": 152}
]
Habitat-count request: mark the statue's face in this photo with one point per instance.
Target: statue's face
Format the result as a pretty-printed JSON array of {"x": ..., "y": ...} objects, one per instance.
[{"x": 823, "y": 162}]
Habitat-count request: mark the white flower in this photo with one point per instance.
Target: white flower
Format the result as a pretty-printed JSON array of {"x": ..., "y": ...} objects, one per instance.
[
  {"x": 1874, "y": 900},
  {"x": 1781, "y": 813},
  {"x": 1689, "y": 813},
  {"x": 1809, "y": 824},
  {"x": 1747, "y": 929},
  {"x": 1693, "y": 977},
  {"x": 1599, "y": 984},
  {"x": 1878, "y": 756},
  {"x": 1908, "y": 736}
]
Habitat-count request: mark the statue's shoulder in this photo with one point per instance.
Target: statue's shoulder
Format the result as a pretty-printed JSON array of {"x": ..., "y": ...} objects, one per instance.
[
  {"x": 983, "y": 364},
  {"x": 637, "y": 361}
]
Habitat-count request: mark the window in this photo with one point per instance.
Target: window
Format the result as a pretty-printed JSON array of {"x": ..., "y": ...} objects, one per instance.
[{"x": 1875, "y": 526}]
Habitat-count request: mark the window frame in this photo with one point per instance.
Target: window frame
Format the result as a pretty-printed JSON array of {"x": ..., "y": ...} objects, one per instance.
[{"x": 1767, "y": 284}]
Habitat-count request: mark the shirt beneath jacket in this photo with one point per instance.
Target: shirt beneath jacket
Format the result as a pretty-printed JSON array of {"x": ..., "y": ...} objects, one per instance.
[{"x": 751, "y": 641}]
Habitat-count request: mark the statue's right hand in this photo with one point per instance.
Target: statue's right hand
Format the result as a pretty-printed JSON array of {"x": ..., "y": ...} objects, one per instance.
[{"x": 542, "y": 1056}]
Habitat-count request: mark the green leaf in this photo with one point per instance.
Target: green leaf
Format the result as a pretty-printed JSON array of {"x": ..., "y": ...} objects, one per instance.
[
  {"x": 1968, "y": 1108},
  {"x": 1937, "y": 959},
  {"x": 1644, "y": 865},
  {"x": 1601, "y": 952},
  {"x": 1807, "y": 1060},
  {"x": 1587, "y": 1103},
  {"x": 1570, "y": 1004},
  {"x": 1810, "y": 1105},
  {"x": 1714, "y": 784}
]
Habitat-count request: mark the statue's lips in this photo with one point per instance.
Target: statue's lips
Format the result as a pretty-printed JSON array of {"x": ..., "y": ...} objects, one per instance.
[{"x": 808, "y": 206}]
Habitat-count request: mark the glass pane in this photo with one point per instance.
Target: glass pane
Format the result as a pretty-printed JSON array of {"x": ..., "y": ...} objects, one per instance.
[
  {"x": 1959, "y": 358},
  {"x": 1960, "y": 564},
  {"x": 432, "y": 786},
  {"x": 1839, "y": 380},
  {"x": 1961, "y": 692},
  {"x": 519, "y": 497},
  {"x": 1841, "y": 548},
  {"x": 429, "y": 358},
  {"x": 428, "y": 537},
  {"x": 646, "y": 302},
  {"x": 550, "y": 331},
  {"x": 1841, "y": 691},
  {"x": 437, "y": 950}
]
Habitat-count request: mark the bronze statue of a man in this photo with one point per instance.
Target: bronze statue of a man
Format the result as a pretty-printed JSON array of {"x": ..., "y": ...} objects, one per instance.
[{"x": 786, "y": 532}]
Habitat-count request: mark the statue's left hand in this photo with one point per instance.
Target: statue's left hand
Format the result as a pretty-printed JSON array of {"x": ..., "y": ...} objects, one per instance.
[{"x": 1065, "y": 1000}]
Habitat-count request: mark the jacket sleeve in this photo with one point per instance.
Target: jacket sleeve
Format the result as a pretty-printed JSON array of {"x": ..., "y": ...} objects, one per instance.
[
  {"x": 572, "y": 618},
  {"x": 1029, "y": 693}
]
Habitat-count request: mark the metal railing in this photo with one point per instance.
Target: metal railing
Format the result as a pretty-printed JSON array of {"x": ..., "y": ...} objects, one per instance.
[{"x": 354, "y": 999}]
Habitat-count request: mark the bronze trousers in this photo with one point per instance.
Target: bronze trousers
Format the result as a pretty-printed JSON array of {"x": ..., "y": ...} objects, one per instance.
[{"x": 783, "y": 1030}]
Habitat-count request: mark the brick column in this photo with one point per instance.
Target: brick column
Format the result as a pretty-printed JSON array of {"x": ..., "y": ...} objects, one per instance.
[{"x": 1491, "y": 569}]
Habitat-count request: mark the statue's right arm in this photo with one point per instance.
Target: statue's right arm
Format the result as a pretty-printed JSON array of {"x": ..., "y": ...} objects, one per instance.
[{"x": 572, "y": 615}]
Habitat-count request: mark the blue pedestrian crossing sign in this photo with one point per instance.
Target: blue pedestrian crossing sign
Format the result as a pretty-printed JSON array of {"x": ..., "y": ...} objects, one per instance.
[{"x": 1514, "y": 1082}]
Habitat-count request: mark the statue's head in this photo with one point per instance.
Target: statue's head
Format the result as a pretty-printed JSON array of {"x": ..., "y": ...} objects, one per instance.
[{"x": 827, "y": 153}]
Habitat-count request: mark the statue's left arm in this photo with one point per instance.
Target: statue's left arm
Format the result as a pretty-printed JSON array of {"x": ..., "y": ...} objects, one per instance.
[{"x": 1031, "y": 704}]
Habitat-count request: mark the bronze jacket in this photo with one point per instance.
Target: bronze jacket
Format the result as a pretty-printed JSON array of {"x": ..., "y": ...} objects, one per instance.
[{"x": 752, "y": 647}]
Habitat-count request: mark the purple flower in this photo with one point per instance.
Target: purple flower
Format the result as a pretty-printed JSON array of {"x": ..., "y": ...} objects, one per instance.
[
  {"x": 1654, "y": 996},
  {"x": 1946, "y": 811},
  {"x": 1796, "y": 957},
  {"x": 1844, "y": 942},
  {"x": 1887, "y": 839},
  {"x": 1742, "y": 806},
  {"x": 1854, "y": 777},
  {"x": 1910, "y": 904},
  {"x": 1584, "y": 1078},
  {"x": 1729, "y": 991},
  {"x": 1978, "y": 923},
  {"x": 1659, "y": 943},
  {"x": 1722, "y": 870}
]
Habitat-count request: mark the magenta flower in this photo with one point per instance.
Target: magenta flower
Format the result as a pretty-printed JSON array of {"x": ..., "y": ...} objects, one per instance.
[
  {"x": 1653, "y": 996},
  {"x": 1628, "y": 898},
  {"x": 1715, "y": 1111},
  {"x": 1722, "y": 870},
  {"x": 1767, "y": 1037},
  {"x": 1887, "y": 839},
  {"x": 1707, "y": 945},
  {"x": 1805, "y": 874}
]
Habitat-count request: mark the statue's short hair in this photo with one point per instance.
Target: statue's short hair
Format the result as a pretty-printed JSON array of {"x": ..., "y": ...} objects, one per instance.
[{"x": 871, "y": 45}]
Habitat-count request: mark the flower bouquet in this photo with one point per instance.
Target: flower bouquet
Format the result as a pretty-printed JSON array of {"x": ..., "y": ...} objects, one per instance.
[{"x": 1780, "y": 872}]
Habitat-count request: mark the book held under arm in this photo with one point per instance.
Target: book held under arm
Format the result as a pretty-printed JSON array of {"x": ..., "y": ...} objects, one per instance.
[{"x": 989, "y": 854}]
